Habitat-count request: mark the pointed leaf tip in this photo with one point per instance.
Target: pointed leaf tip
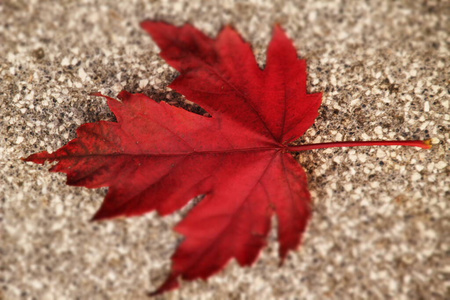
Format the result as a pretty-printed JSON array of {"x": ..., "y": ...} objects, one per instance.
[
  {"x": 279, "y": 30},
  {"x": 149, "y": 23},
  {"x": 170, "y": 284}
]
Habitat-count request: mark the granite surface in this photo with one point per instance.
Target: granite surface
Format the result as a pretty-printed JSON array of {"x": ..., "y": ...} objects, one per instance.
[{"x": 381, "y": 220}]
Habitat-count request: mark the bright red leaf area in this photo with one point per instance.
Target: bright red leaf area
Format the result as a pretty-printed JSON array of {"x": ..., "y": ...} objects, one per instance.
[{"x": 158, "y": 157}]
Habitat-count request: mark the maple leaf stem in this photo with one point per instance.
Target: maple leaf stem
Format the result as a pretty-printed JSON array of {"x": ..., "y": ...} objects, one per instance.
[{"x": 422, "y": 144}]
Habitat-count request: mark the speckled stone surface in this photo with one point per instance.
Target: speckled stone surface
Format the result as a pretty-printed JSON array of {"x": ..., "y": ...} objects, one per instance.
[{"x": 380, "y": 228}]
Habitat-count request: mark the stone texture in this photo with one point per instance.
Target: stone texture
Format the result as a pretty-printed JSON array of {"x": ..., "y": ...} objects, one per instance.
[{"x": 381, "y": 222}]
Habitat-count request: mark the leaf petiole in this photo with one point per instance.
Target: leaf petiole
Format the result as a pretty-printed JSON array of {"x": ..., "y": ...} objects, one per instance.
[{"x": 422, "y": 144}]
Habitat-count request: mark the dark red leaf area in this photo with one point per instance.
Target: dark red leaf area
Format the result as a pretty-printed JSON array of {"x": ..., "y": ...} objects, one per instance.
[{"x": 158, "y": 157}]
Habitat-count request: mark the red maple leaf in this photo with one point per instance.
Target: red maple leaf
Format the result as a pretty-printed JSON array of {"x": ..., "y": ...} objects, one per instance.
[{"x": 158, "y": 157}]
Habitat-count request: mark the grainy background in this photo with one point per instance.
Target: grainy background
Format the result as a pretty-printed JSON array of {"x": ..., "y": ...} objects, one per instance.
[{"x": 380, "y": 228}]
